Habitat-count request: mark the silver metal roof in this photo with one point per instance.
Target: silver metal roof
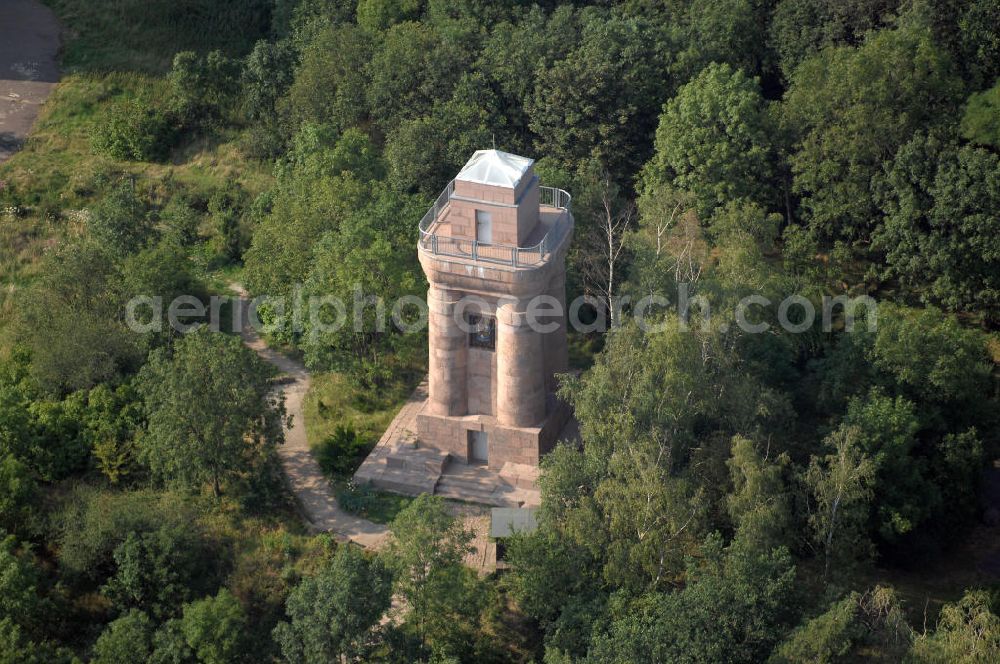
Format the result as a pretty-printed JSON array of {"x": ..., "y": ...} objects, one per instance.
[
  {"x": 493, "y": 167},
  {"x": 504, "y": 521}
]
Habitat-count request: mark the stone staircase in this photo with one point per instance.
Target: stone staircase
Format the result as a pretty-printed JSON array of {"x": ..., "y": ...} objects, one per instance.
[
  {"x": 477, "y": 484},
  {"x": 474, "y": 491},
  {"x": 400, "y": 464},
  {"x": 404, "y": 469},
  {"x": 412, "y": 470}
]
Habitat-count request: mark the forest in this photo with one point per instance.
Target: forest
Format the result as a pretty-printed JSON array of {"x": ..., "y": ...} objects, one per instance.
[{"x": 818, "y": 495}]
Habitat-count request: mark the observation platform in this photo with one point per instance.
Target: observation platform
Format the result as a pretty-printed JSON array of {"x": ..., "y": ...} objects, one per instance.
[{"x": 439, "y": 239}]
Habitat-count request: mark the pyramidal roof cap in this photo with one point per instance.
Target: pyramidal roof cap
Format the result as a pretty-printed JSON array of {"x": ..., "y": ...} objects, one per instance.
[{"x": 493, "y": 167}]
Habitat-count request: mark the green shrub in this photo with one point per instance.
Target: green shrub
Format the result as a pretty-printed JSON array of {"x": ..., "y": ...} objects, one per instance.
[
  {"x": 180, "y": 221},
  {"x": 226, "y": 207},
  {"x": 135, "y": 131},
  {"x": 157, "y": 571},
  {"x": 203, "y": 88},
  {"x": 981, "y": 119},
  {"x": 356, "y": 498},
  {"x": 215, "y": 628},
  {"x": 127, "y": 639},
  {"x": 93, "y": 524},
  {"x": 17, "y": 491},
  {"x": 340, "y": 453},
  {"x": 825, "y": 639}
]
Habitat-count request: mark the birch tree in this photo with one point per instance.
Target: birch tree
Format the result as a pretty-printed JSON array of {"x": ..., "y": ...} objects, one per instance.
[
  {"x": 840, "y": 484},
  {"x": 758, "y": 504},
  {"x": 607, "y": 223}
]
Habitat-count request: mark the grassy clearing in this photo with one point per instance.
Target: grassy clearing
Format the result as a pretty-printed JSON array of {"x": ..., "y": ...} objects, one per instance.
[
  {"x": 369, "y": 503},
  {"x": 337, "y": 401},
  {"x": 343, "y": 423},
  {"x": 48, "y": 185},
  {"x": 23, "y": 242},
  {"x": 117, "y": 50},
  {"x": 926, "y": 590},
  {"x": 59, "y": 170},
  {"x": 277, "y": 540},
  {"x": 221, "y": 277}
]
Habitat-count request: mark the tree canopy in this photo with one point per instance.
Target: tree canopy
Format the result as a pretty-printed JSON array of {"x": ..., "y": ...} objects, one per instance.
[{"x": 191, "y": 439}]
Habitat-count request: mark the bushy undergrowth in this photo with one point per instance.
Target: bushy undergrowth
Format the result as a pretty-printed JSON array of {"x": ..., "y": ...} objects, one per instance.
[
  {"x": 341, "y": 453},
  {"x": 135, "y": 131}
]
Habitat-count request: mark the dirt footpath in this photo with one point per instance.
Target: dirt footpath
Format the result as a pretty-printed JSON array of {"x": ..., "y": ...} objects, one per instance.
[
  {"x": 29, "y": 42},
  {"x": 306, "y": 480}
]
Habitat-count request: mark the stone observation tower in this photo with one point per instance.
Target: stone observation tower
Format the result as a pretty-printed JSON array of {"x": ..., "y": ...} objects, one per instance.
[
  {"x": 493, "y": 247},
  {"x": 495, "y": 242}
]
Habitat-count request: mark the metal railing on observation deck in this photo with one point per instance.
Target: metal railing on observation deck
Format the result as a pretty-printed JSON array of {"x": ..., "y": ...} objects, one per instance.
[{"x": 504, "y": 254}]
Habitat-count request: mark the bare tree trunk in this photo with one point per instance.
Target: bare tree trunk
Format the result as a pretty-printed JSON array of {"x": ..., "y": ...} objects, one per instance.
[
  {"x": 663, "y": 226},
  {"x": 828, "y": 548},
  {"x": 614, "y": 221},
  {"x": 611, "y": 255},
  {"x": 788, "y": 203}
]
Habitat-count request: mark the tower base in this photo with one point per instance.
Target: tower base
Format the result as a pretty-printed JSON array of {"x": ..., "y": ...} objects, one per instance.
[
  {"x": 401, "y": 463},
  {"x": 480, "y": 439}
]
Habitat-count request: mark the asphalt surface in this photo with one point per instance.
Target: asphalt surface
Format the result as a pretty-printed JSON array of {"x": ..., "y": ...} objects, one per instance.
[{"x": 29, "y": 44}]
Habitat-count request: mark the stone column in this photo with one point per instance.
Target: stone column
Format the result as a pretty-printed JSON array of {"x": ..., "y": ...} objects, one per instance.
[
  {"x": 520, "y": 368},
  {"x": 449, "y": 357},
  {"x": 555, "y": 343}
]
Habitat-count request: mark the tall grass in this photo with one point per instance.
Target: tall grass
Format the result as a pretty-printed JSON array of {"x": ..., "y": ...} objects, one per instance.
[{"x": 144, "y": 35}]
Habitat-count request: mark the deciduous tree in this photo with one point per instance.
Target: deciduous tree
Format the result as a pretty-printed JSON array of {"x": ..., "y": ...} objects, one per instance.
[
  {"x": 215, "y": 628},
  {"x": 126, "y": 639},
  {"x": 759, "y": 503},
  {"x": 940, "y": 231},
  {"x": 735, "y": 610},
  {"x": 851, "y": 110},
  {"x": 841, "y": 484},
  {"x": 368, "y": 265},
  {"x": 967, "y": 631},
  {"x": 602, "y": 99},
  {"x": 211, "y": 411},
  {"x": 715, "y": 140},
  {"x": 335, "y": 614},
  {"x": 426, "y": 553}
]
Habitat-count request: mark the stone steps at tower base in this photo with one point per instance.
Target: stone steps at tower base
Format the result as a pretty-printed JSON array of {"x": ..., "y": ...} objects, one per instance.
[
  {"x": 473, "y": 492},
  {"x": 406, "y": 481}
]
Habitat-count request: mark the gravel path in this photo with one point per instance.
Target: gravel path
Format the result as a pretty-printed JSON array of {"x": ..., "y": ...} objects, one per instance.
[
  {"x": 307, "y": 482},
  {"x": 29, "y": 42}
]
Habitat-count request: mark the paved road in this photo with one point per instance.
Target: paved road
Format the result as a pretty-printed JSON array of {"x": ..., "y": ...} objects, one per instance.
[
  {"x": 29, "y": 42},
  {"x": 306, "y": 480}
]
